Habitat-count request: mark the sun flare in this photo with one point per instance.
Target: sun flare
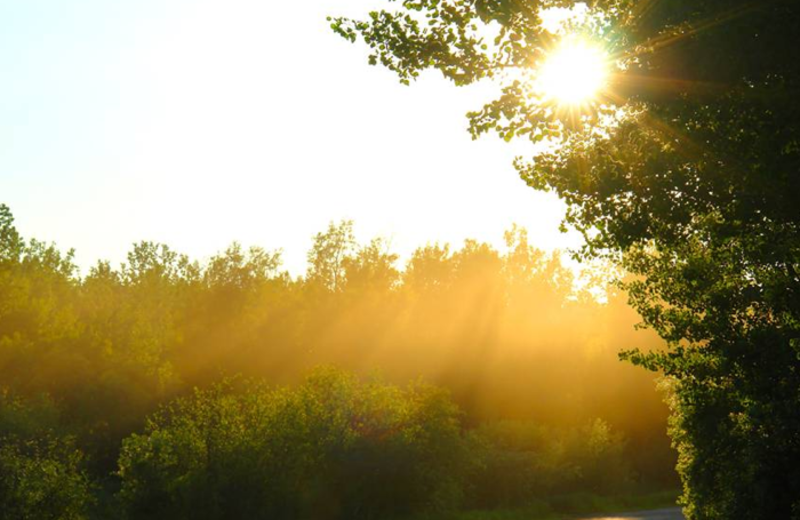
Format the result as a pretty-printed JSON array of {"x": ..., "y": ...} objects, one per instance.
[{"x": 574, "y": 73}]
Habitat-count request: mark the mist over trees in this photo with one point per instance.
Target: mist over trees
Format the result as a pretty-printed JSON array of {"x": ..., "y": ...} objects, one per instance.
[{"x": 510, "y": 336}]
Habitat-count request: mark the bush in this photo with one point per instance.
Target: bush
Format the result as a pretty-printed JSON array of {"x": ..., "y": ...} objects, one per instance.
[
  {"x": 42, "y": 480},
  {"x": 332, "y": 448},
  {"x": 41, "y": 474},
  {"x": 523, "y": 461}
]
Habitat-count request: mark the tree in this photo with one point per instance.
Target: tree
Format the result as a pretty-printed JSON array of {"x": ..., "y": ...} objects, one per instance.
[
  {"x": 11, "y": 244},
  {"x": 686, "y": 173},
  {"x": 326, "y": 259},
  {"x": 372, "y": 268}
]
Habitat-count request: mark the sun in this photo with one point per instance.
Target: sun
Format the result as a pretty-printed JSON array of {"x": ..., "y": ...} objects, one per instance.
[{"x": 575, "y": 73}]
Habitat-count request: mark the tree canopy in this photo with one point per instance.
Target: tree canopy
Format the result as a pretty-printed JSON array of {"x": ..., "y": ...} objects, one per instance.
[
  {"x": 110, "y": 379},
  {"x": 685, "y": 171}
]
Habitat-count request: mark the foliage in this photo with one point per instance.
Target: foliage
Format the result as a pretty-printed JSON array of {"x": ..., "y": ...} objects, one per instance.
[
  {"x": 498, "y": 328},
  {"x": 507, "y": 332},
  {"x": 42, "y": 475},
  {"x": 524, "y": 461},
  {"x": 42, "y": 479},
  {"x": 333, "y": 448},
  {"x": 686, "y": 173},
  {"x": 26, "y": 418}
]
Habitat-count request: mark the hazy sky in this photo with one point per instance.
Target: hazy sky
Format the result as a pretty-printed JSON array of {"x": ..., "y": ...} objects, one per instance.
[{"x": 200, "y": 122}]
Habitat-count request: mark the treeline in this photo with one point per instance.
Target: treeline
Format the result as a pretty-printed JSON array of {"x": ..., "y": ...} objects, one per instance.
[{"x": 508, "y": 334}]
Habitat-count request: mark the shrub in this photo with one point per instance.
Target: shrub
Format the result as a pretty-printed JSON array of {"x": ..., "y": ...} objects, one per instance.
[
  {"x": 334, "y": 447},
  {"x": 41, "y": 475},
  {"x": 42, "y": 480},
  {"x": 26, "y": 418},
  {"x": 523, "y": 461}
]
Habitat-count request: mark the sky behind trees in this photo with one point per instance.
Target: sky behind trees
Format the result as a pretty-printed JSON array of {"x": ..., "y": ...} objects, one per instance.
[{"x": 200, "y": 122}]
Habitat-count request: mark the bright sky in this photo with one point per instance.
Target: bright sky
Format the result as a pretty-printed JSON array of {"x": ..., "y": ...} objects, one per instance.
[{"x": 200, "y": 122}]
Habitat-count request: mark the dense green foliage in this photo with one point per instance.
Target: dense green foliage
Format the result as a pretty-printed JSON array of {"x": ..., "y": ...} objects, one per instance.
[
  {"x": 331, "y": 448},
  {"x": 335, "y": 447},
  {"x": 42, "y": 480},
  {"x": 41, "y": 475},
  {"x": 687, "y": 174},
  {"x": 84, "y": 361},
  {"x": 497, "y": 329},
  {"x": 523, "y": 461}
]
